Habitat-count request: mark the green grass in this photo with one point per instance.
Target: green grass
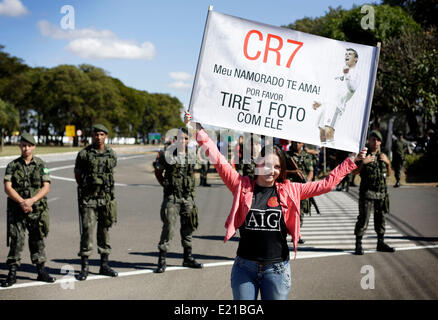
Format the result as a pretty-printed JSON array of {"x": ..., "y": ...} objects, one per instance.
[{"x": 15, "y": 150}]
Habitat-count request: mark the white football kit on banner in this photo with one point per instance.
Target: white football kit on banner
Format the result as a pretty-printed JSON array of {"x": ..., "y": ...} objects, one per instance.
[{"x": 340, "y": 92}]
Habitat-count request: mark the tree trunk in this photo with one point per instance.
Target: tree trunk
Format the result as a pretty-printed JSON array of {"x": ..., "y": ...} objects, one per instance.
[{"x": 412, "y": 123}]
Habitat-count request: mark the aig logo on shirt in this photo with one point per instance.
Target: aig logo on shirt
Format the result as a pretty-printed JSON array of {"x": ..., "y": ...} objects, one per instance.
[{"x": 265, "y": 220}]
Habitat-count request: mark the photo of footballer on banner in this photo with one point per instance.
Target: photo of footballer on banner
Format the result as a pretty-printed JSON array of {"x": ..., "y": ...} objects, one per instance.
[{"x": 282, "y": 83}]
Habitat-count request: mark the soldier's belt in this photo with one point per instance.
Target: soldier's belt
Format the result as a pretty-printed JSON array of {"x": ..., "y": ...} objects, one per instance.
[{"x": 373, "y": 195}]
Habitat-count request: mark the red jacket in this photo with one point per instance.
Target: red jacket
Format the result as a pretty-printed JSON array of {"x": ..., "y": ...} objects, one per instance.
[{"x": 289, "y": 193}]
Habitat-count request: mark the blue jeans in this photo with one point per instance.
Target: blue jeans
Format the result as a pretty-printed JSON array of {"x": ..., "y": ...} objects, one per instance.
[{"x": 248, "y": 277}]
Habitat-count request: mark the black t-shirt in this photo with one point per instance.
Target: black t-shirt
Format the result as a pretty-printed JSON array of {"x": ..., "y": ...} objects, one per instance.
[{"x": 263, "y": 234}]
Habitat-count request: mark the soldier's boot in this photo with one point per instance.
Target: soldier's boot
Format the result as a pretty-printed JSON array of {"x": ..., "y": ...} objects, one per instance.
[
  {"x": 359, "y": 249},
  {"x": 43, "y": 275},
  {"x": 201, "y": 182},
  {"x": 105, "y": 269},
  {"x": 382, "y": 246},
  {"x": 12, "y": 276},
  {"x": 161, "y": 262},
  {"x": 84, "y": 269},
  {"x": 205, "y": 183},
  {"x": 397, "y": 184},
  {"x": 189, "y": 261}
]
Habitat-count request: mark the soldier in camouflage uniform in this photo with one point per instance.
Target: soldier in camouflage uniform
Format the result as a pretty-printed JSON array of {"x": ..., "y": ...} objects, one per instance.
[
  {"x": 27, "y": 183},
  {"x": 304, "y": 162},
  {"x": 175, "y": 172},
  {"x": 94, "y": 173},
  {"x": 254, "y": 146},
  {"x": 373, "y": 193},
  {"x": 204, "y": 167},
  {"x": 399, "y": 150}
]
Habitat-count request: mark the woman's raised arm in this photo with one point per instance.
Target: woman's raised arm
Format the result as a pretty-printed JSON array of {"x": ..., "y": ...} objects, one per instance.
[{"x": 229, "y": 176}]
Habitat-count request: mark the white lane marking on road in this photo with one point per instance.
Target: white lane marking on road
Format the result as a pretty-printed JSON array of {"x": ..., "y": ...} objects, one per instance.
[
  {"x": 62, "y": 178},
  {"x": 73, "y": 180},
  {"x": 206, "y": 265},
  {"x": 62, "y": 168},
  {"x": 53, "y": 199},
  {"x": 72, "y": 166}
]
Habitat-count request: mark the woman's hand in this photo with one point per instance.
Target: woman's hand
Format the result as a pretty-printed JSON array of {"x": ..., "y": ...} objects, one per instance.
[
  {"x": 359, "y": 157},
  {"x": 188, "y": 120},
  {"x": 187, "y": 117}
]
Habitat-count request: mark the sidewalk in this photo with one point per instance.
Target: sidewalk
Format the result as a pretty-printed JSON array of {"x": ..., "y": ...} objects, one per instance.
[{"x": 65, "y": 156}]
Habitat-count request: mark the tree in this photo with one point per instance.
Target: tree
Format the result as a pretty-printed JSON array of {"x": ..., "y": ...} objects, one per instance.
[
  {"x": 9, "y": 120},
  {"x": 47, "y": 99},
  {"x": 407, "y": 81},
  {"x": 102, "y": 101},
  {"x": 345, "y": 25},
  {"x": 407, "y": 74},
  {"x": 425, "y": 12}
]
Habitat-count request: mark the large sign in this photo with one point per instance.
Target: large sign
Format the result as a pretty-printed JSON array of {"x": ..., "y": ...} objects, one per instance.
[
  {"x": 154, "y": 136},
  {"x": 70, "y": 130},
  {"x": 283, "y": 83}
]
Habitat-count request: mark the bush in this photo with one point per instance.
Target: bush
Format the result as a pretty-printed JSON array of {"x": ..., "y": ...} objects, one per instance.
[{"x": 422, "y": 167}]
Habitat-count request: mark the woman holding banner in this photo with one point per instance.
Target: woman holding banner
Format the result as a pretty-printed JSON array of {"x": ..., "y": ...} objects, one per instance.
[{"x": 265, "y": 210}]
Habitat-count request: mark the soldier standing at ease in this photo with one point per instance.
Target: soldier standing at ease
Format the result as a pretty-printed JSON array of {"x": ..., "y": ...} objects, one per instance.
[
  {"x": 204, "y": 167},
  {"x": 175, "y": 173},
  {"x": 254, "y": 146},
  {"x": 305, "y": 165},
  {"x": 373, "y": 193},
  {"x": 94, "y": 173},
  {"x": 27, "y": 183},
  {"x": 399, "y": 150}
]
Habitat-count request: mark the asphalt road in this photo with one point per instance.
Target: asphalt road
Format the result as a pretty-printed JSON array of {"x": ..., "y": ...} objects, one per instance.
[{"x": 325, "y": 267}]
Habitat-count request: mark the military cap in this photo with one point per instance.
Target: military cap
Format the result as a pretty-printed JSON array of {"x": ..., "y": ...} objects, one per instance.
[
  {"x": 28, "y": 138},
  {"x": 100, "y": 127},
  {"x": 377, "y": 134}
]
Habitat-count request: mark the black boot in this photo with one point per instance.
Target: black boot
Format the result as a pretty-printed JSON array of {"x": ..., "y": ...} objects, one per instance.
[
  {"x": 397, "y": 184},
  {"x": 43, "y": 275},
  {"x": 12, "y": 276},
  {"x": 84, "y": 269},
  {"x": 189, "y": 261},
  {"x": 105, "y": 269},
  {"x": 359, "y": 249},
  {"x": 206, "y": 184},
  {"x": 161, "y": 262},
  {"x": 382, "y": 246},
  {"x": 201, "y": 182}
]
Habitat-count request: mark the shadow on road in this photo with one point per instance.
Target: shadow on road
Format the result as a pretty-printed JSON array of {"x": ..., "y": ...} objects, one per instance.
[
  {"x": 113, "y": 264},
  {"x": 412, "y": 238},
  {"x": 221, "y": 238},
  {"x": 313, "y": 249},
  {"x": 24, "y": 268},
  {"x": 174, "y": 255}
]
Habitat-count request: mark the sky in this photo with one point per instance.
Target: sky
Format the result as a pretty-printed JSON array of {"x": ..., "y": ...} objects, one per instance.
[{"x": 148, "y": 45}]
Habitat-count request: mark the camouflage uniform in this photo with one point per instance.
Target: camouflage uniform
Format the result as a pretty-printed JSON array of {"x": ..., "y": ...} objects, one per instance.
[
  {"x": 96, "y": 199},
  {"x": 399, "y": 150},
  {"x": 27, "y": 180},
  {"x": 204, "y": 164},
  {"x": 373, "y": 194},
  {"x": 248, "y": 169},
  {"x": 304, "y": 162},
  {"x": 179, "y": 193}
]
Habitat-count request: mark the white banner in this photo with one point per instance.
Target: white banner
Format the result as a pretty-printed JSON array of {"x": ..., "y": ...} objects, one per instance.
[{"x": 283, "y": 83}]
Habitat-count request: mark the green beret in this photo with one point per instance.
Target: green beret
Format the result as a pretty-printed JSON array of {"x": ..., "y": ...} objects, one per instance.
[
  {"x": 100, "y": 127},
  {"x": 28, "y": 138},
  {"x": 376, "y": 134}
]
